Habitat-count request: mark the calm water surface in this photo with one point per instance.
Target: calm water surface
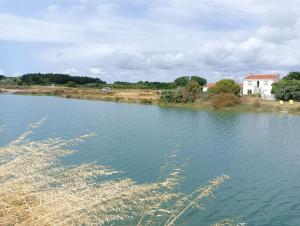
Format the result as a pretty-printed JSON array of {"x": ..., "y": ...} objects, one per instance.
[{"x": 260, "y": 152}]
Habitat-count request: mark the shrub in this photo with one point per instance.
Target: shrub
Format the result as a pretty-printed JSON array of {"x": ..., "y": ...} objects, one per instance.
[
  {"x": 166, "y": 95},
  {"x": 223, "y": 100},
  {"x": 179, "y": 96},
  {"x": 287, "y": 90},
  {"x": 92, "y": 85},
  {"x": 146, "y": 101},
  {"x": 117, "y": 99},
  {"x": 225, "y": 86},
  {"x": 71, "y": 84},
  {"x": 192, "y": 86}
]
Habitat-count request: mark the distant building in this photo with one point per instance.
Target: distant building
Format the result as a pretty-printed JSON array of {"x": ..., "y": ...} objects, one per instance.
[
  {"x": 260, "y": 85},
  {"x": 208, "y": 86},
  {"x": 106, "y": 90}
]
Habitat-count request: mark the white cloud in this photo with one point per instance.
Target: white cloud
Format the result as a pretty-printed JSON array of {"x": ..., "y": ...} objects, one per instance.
[
  {"x": 71, "y": 71},
  {"x": 160, "y": 39},
  {"x": 96, "y": 70},
  {"x": 53, "y": 9},
  {"x": 15, "y": 28}
]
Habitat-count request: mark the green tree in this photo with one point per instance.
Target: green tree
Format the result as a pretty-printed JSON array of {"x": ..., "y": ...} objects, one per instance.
[
  {"x": 226, "y": 86},
  {"x": 201, "y": 81},
  {"x": 287, "y": 89},
  {"x": 181, "y": 81},
  {"x": 294, "y": 75}
]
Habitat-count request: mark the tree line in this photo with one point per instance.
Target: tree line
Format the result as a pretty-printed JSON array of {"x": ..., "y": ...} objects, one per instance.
[
  {"x": 73, "y": 81},
  {"x": 143, "y": 85},
  {"x": 60, "y": 79},
  {"x": 178, "y": 82}
]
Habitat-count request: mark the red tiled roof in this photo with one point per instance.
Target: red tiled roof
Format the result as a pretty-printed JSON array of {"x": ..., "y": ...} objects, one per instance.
[
  {"x": 271, "y": 76},
  {"x": 210, "y": 85}
]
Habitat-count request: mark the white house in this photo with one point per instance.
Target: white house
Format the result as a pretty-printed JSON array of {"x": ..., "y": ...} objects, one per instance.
[
  {"x": 208, "y": 86},
  {"x": 260, "y": 85}
]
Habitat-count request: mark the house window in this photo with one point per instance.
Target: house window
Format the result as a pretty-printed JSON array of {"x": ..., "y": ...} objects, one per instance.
[
  {"x": 266, "y": 83},
  {"x": 249, "y": 83},
  {"x": 257, "y": 83},
  {"x": 249, "y": 91}
]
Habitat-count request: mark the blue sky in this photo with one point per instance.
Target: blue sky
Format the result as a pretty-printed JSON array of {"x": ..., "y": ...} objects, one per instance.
[{"x": 159, "y": 40}]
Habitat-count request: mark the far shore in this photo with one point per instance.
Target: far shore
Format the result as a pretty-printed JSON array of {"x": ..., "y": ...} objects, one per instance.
[{"x": 144, "y": 96}]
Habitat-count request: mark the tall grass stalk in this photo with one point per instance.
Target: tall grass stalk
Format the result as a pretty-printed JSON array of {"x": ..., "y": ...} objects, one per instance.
[{"x": 36, "y": 188}]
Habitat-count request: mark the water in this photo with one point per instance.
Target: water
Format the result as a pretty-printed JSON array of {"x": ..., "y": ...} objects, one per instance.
[{"x": 260, "y": 152}]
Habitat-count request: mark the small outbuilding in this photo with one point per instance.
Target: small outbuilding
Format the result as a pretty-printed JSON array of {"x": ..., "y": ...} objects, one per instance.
[
  {"x": 106, "y": 90},
  {"x": 208, "y": 86}
]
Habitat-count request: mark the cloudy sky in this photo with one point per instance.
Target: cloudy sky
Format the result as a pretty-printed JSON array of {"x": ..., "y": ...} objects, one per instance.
[{"x": 150, "y": 40}]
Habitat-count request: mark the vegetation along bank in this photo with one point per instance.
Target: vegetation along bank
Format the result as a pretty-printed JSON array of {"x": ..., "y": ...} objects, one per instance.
[{"x": 185, "y": 91}]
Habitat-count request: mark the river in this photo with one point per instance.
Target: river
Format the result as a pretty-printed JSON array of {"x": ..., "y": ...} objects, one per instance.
[{"x": 260, "y": 152}]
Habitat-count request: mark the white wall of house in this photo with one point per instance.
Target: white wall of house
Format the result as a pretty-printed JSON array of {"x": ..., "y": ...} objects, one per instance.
[
  {"x": 261, "y": 87},
  {"x": 205, "y": 88}
]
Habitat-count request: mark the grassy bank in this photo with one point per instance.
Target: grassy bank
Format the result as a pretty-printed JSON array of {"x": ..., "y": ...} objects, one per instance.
[
  {"x": 118, "y": 95},
  {"x": 248, "y": 104}
]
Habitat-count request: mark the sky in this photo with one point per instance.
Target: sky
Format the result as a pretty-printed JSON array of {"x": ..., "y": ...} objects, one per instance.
[{"x": 157, "y": 40}]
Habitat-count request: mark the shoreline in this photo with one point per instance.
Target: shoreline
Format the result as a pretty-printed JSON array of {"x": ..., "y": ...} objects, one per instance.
[{"x": 249, "y": 104}]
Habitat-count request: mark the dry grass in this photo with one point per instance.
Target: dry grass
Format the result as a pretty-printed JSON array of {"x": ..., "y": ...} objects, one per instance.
[
  {"x": 38, "y": 189},
  {"x": 259, "y": 105},
  {"x": 124, "y": 95}
]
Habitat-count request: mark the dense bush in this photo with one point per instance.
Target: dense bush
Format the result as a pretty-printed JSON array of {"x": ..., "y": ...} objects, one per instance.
[
  {"x": 48, "y": 79},
  {"x": 287, "y": 89},
  {"x": 223, "y": 100},
  {"x": 183, "y": 81},
  {"x": 2, "y": 77},
  {"x": 294, "y": 75},
  {"x": 192, "y": 86},
  {"x": 225, "y": 86},
  {"x": 10, "y": 81},
  {"x": 93, "y": 85},
  {"x": 179, "y": 96},
  {"x": 71, "y": 84}
]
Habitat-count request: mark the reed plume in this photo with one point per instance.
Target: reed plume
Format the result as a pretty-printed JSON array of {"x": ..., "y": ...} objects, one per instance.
[{"x": 36, "y": 188}]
